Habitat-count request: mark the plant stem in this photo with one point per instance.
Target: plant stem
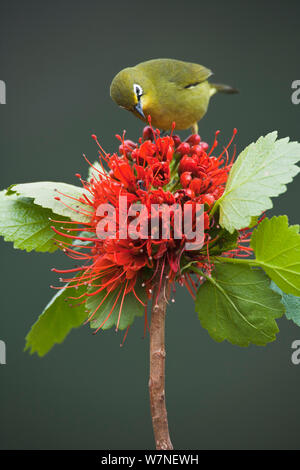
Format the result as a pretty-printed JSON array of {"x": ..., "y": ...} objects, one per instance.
[
  {"x": 157, "y": 366},
  {"x": 247, "y": 261}
]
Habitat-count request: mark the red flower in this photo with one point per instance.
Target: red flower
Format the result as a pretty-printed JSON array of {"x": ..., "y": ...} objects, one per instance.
[{"x": 157, "y": 170}]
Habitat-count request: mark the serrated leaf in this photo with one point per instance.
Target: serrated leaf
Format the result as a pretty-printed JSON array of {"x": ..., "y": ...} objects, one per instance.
[
  {"x": 277, "y": 250},
  {"x": 261, "y": 171},
  {"x": 291, "y": 304},
  {"x": 57, "y": 320},
  {"x": 295, "y": 228},
  {"x": 27, "y": 225},
  {"x": 238, "y": 305},
  {"x": 131, "y": 307},
  {"x": 44, "y": 193}
]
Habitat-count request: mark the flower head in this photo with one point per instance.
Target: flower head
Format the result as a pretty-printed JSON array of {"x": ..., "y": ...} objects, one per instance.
[{"x": 157, "y": 172}]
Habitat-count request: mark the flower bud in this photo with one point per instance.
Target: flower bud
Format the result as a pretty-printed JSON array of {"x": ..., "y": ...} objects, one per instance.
[
  {"x": 183, "y": 148},
  {"x": 147, "y": 133},
  {"x": 204, "y": 146},
  {"x": 197, "y": 149},
  {"x": 177, "y": 140},
  {"x": 185, "y": 179},
  {"x": 194, "y": 139},
  {"x": 127, "y": 147},
  {"x": 187, "y": 164}
]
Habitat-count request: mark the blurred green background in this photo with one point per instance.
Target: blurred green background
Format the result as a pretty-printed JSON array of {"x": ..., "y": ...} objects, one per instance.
[{"x": 58, "y": 59}]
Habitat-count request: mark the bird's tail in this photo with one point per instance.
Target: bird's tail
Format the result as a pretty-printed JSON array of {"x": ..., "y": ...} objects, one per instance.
[{"x": 220, "y": 88}]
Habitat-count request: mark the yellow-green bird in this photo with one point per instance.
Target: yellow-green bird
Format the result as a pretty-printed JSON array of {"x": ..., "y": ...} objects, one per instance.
[{"x": 168, "y": 90}]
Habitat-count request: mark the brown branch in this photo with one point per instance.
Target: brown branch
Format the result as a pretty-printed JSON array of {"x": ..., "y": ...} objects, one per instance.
[{"x": 157, "y": 366}]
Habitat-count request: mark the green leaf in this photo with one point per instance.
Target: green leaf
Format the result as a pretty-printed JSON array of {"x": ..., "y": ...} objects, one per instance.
[
  {"x": 57, "y": 320},
  {"x": 295, "y": 228},
  {"x": 131, "y": 307},
  {"x": 277, "y": 250},
  {"x": 44, "y": 193},
  {"x": 291, "y": 304},
  {"x": 261, "y": 171},
  {"x": 238, "y": 305},
  {"x": 27, "y": 225}
]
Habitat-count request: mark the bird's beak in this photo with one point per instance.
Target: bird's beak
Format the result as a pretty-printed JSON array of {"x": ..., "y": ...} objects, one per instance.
[{"x": 139, "y": 109}]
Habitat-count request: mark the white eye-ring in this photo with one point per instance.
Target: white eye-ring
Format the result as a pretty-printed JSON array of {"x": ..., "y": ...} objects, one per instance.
[{"x": 138, "y": 90}]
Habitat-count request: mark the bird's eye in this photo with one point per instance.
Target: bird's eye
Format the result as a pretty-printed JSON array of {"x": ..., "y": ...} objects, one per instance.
[{"x": 138, "y": 90}]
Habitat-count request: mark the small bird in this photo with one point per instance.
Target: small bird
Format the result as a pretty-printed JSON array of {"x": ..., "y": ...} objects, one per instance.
[{"x": 168, "y": 90}]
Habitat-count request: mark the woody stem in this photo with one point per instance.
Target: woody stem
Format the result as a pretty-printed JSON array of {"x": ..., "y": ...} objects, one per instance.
[{"x": 157, "y": 366}]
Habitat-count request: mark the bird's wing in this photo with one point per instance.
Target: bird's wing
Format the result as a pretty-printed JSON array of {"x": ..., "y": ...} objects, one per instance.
[
  {"x": 188, "y": 74},
  {"x": 182, "y": 74}
]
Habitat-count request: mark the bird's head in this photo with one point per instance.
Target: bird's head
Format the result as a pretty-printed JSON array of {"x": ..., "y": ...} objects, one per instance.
[{"x": 130, "y": 90}]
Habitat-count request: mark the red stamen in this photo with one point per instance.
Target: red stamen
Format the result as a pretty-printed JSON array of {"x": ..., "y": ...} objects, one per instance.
[
  {"x": 121, "y": 306},
  {"x": 111, "y": 311},
  {"x": 125, "y": 336}
]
